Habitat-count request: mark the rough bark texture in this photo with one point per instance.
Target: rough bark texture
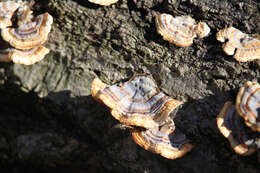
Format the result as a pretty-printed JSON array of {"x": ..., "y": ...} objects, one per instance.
[{"x": 49, "y": 121}]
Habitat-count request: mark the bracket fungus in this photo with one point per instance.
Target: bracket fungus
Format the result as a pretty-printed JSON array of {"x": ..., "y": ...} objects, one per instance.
[
  {"x": 137, "y": 102},
  {"x": 23, "y": 34},
  {"x": 103, "y": 2},
  {"x": 26, "y": 57},
  {"x": 241, "y": 45},
  {"x": 248, "y": 104},
  {"x": 29, "y": 35},
  {"x": 231, "y": 125},
  {"x": 180, "y": 30},
  {"x": 164, "y": 141}
]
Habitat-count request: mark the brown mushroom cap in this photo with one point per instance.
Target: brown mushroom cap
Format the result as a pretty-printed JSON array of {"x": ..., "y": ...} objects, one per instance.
[
  {"x": 164, "y": 141},
  {"x": 7, "y": 10},
  {"x": 29, "y": 35},
  {"x": 26, "y": 57},
  {"x": 103, "y": 2},
  {"x": 247, "y": 104},
  {"x": 231, "y": 125},
  {"x": 242, "y": 46},
  {"x": 137, "y": 102}
]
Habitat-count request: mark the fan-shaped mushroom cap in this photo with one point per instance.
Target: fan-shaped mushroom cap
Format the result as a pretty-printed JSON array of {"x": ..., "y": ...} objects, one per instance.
[
  {"x": 164, "y": 141},
  {"x": 26, "y": 57},
  {"x": 242, "y": 46},
  {"x": 7, "y": 10},
  {"x": 248, "y": 104},
  {"x": 231, "y": 125},
  {"x": 103, "y": 2},
  {"x": 137, "y": 102},
  {"x": 180, "y": 30},
  {"x": 29, "y": 35}
]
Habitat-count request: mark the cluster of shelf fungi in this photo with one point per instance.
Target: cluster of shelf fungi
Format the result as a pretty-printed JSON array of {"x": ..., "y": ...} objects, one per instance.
[
  {"x": 138, "y": 102},
  {"x": 240, "y": 123},
  {"x": 22, "y": 33}
]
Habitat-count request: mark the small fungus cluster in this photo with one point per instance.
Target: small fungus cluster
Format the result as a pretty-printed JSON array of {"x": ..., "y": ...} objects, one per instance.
[
  {"x": 22, "y": 33},
  {"x": 181, "y": 31},
  {"x": 139, "y": 103},
  {"x": 243, "y": 137}
]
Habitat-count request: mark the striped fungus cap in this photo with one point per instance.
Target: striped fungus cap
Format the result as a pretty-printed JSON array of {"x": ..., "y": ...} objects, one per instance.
[
  {"x": 29, "y": 35},
  {"x": 248, "y": 104},
  {"x": 137, "y": 102},
  {"x": 164, "y": 140},
  {"x": 180, "y": 30},
  {"x": 26, "y": 56},
  {"x": 231, "y": 125},
  {"x": 22, "y": 34},
  {"x": 241, "y": 45}
]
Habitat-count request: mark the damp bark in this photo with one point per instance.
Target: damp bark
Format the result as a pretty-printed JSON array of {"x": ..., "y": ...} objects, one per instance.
[{"x": 50, "y": 121}]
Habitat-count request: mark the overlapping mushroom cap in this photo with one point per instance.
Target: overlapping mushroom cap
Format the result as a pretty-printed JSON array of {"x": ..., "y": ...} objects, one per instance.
[
  {"x": 7, "y": 10},
  {"x": 103, "y": 2},
  {"x": 232, "y": 127},
  {"x": 23, "y": 34},
  {"x": 180, "y": 30},
  {"x": 137, "y": 102},
  {"x": 242, "y": 46},
  {"x": 248, "y": 104},
  {"x": 26, "y": 57},
  {"x": 29, "y": 35},
  {"x": 164, "y": 141}
]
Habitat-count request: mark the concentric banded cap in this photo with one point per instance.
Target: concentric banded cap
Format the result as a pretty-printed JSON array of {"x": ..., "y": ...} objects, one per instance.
[
  {"x": 29, "y": 35},
  {"x": 241, "y": 45},
  {"x": 180, "y": 30},
  {"x": 164, "y": 141},
  {"x": 248, "y": 104},
  {"x": 137, "y": 102},
  {"x": 231, "y": 125},
  {"x": 26, "y": 57}
]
